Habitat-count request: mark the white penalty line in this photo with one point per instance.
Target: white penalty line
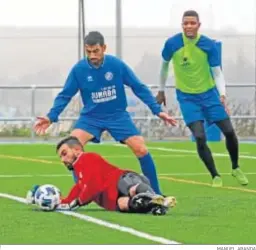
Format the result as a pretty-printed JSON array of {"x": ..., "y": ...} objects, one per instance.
[
  {"x": 190, "y": 152},
  {"x": 103, "y": 223}
]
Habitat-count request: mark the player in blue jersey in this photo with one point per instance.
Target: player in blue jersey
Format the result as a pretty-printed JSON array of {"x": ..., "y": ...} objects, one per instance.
[
  {"x": 101, "y": 80},
  {"x": 200, "y": 88}
]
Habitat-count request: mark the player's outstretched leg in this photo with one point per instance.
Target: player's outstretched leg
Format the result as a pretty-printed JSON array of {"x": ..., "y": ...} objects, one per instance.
[
  {"x": 144, "y": 188},
  {"x": 233, "y": 149},
  {"x": 139, "y": 203},
  {"x": 197, "y": 129},
  {"x": 151, "y": 203},
  {"x": 137, "y": 145},
  {"x": 137, "y": 196},
  {"x": 156, "y": 204}
]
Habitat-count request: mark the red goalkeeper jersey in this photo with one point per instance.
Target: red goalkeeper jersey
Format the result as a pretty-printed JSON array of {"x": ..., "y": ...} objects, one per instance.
[{"x": 97, "y": 181}]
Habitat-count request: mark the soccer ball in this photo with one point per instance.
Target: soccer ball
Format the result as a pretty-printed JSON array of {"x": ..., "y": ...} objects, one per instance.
[{"x": 47, "y": 197}]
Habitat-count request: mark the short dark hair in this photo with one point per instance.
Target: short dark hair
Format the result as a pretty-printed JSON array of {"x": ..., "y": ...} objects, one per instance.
[
  {"x": 93, "y": 38},
  {"x": 70, "y": 141},
  {"x": 191, "y": 13}
]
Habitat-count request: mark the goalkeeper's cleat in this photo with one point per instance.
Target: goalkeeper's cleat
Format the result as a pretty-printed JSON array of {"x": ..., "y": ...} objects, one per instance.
[
  {"x": 159, "y": 210},
  {"x": 240, "y": 176},
  {"x": 161, "y": 205},
  {"x": 170, "y": 201},
  {"x": 167, "y": 201},
  {"x": 217, "y": 182},
  {"x": 156, "y": 204}
]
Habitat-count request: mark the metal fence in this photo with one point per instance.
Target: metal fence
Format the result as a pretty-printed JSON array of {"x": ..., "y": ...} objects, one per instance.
[{"x": 18, "y": 125}]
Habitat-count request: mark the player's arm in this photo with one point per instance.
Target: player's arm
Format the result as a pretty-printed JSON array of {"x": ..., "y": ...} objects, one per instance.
[
  {"x": 73, "y": 194},
  {"x": 218, "y": 76},
  {"x": 163, "y": 75},
  {"x": 63, "y": 98},
  {"x": 83, "y": 194},
  {"x": 77, "y": 197},
  {"x": 219, "y": 80},
  {"x": 140, "y": 90},
  {"x": 166, "y": 58},
  {"x": 70, "y": 202},
  {"x": 88, "y": 193}
]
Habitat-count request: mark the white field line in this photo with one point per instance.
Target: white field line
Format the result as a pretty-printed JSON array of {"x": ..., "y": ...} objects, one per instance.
[
  {"x": 197, "y": 174},
  {"x": 190, "y": 151},
  {"x": 132, "y": 156},
  {"x": 103, "y": 223}
]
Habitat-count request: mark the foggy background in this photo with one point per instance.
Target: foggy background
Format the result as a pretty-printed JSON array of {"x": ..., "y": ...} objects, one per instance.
[{"x": 38, "y": 46}]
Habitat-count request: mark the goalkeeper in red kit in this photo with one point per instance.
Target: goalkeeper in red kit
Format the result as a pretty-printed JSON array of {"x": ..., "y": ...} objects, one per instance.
[{"x": 107, "y": 185}]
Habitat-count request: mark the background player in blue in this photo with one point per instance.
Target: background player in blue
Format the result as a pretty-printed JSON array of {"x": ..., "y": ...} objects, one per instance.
[
  {"x": 200, "y": 89},
  {"x": 100, "y": 79}
]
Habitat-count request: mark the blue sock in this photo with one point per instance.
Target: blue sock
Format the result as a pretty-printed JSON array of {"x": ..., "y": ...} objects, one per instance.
[
  {"x": 149, "y": 170},
  {"x": 74, "y": 176}
]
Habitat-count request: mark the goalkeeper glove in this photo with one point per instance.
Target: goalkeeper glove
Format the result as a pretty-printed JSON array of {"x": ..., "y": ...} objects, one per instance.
[{"x": 68, "y": 206}]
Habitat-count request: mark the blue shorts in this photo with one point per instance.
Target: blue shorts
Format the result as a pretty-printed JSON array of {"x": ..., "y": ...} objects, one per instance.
[
  {"x": 200, "y": 107},
  {"x": 120, "y": 126}
]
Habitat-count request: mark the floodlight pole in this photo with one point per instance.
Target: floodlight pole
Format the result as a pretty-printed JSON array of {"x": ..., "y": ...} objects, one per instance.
[
  {"x": 81, "y": 29},
  {"x": 119, "y": 28},
  {"x": 81, "y": 35}
]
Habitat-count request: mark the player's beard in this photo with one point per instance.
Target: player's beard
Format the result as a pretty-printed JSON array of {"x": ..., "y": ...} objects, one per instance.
[{"x": 69, "y": 165}]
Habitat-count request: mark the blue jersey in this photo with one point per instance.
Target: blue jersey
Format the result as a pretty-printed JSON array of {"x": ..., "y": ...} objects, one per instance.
[{"x": 102, "y": 89}]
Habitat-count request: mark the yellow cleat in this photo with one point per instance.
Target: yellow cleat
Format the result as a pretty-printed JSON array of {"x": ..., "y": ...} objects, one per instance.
[
  {"x": 240, "y": 176},
  {"x": 217, "y": 182},
  {"x": 168, "y": 202}
]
